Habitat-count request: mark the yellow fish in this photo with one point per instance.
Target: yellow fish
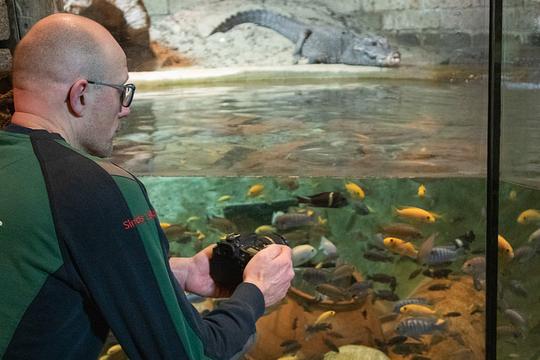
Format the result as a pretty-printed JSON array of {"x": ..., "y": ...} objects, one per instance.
[
  {"x": 165, "y": 225},
  {"x": 417, "y": 214},
  {"x": 325, "y": 316},
  {"x": 512, "y": 195},
  {"x": 400, "y": 247},
  {"x": 528, "y": 216},
  {"x": 193, "y": 218},
  {"x": 355, "y": 190},
  {"x": 114, "y": 349},
  {"x": 255, "y": 190},
  {"x": 265, "y": 229},
  {"x": 224, "y": 198},
  {"x": 421, "y": 191},
  {"x": 417, "y": 310},
  {"x": 505, "y": 247}
]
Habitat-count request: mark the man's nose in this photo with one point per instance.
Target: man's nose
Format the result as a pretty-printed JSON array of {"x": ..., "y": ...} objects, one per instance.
[{"x": 124, "y": 111}]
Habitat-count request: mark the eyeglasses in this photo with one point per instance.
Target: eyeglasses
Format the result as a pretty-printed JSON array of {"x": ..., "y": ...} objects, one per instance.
[{"x": 128, "y": 90}]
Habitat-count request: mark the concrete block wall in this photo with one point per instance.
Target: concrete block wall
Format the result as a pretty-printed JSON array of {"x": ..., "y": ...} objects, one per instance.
[{"x": 439, "y": 23}]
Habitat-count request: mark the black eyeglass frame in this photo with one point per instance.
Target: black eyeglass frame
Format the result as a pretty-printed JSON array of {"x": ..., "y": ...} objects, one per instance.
[{"x": 124, "y": 99}]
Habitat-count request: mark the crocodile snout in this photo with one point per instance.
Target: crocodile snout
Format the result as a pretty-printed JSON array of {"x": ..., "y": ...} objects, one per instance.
[{"x": 394, "y": 59}]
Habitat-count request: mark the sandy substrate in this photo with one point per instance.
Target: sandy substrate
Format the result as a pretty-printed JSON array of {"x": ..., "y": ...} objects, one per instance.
[{"x": 187, "y": 32}]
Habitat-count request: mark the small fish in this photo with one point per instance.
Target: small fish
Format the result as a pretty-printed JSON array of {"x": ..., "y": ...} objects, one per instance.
[
  {"x": 333, "y": 292},
  {"x": 284, "y": 221},
  {"x": 524, "y": 253},
  {"x": 330, "y": 344},
  {"x": 401, "y": 303},
  {"x": 441, "y": 255},
  {"x": 417, "y": 310},
  {"x": 314, "y": 276},
  {"x": 517, "y": 288},
  {"x": 417, "y": 214},
  {"x": 385, "y": 295},
  {"x": 114, "y": 349},
  {"x": 327, "y": 247},
  {"x": 401, "y": 230},
  {"x": 164, "y": 225},
  {"x": 416, "y": 327},
  {"x": 360, "y": 289},
  {"x": 311, "y": 329},
  {"x": 295, "y": 323},
  {"x": 408, "y": 348},
  {"x": 400, "y": 247},
  {"x": 437, "y": 273},
  {"x": 516, "y": 318},
  {"x": 290, "y": 346},
  {"x": 505, "y": 247},
  {"x": 384, "y": 278},
  {"x": 255, "y": 190},
  {"x": 509, "y": 330},
  {"x": 534, "y": 237},
  {"x": 265, "y": 229},
  {"x": 439, "y": 287},
  {"x": 452, "y": 314},
  {"x": 475, "y": 265},
  {"x": 421, "y": 191},
  {"x": 222, "y": 224},
  {"x": 301, "y": 254},
  {"x": 377, "y": 256},
  {"x": 398, "y": 339},
  {"x": 325, "y": 316},
  {"x": 355, "y": 190},
  {"x": 343, "y": 269},
  {"x": 329, "y": 199},
  {"x": 528, "y": 216},
  {"x": 193, "y": 219},
  {"x": 224, "y": 198},
  {"x": 512, "y": 195}
]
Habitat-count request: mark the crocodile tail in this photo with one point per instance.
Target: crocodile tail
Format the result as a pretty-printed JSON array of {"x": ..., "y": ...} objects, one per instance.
[{"x": 286, "y": 26}]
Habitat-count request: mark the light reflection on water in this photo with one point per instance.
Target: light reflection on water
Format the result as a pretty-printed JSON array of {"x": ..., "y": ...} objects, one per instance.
[{"x": 337, "y": 129}]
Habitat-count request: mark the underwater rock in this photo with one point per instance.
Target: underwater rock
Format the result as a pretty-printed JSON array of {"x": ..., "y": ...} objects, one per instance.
[{"x": 356, "y": 352}]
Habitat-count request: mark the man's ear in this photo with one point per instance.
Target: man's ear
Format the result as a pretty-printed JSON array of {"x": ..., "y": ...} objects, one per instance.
[{"x": 76, "y": 97}]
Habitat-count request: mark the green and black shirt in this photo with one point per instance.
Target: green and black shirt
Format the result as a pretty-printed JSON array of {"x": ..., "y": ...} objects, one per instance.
[{"x": 82, "y": 252}]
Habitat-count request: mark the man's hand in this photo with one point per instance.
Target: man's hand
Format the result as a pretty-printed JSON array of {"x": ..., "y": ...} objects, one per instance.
[
  {"x": 193, "y": 274},
  {"x": 271, "y": 271}
]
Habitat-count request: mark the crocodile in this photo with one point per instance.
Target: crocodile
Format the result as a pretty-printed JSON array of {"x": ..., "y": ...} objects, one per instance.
[{"x": 320, "y": 44}]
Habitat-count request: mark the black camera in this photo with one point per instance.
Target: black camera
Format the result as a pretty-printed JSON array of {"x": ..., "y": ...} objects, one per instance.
[{"x": 231, "y": 256}]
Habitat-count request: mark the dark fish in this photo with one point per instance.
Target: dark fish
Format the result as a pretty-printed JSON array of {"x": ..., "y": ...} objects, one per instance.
[
  {"x": 222, "y": 224},
  {"x": 377, "y": 256},
  {"x": 398, "y": 339},
  {"x": 467, "y": 238},
  {"x": 314, "y": 276},
  {"x": 330, "y": 344},
  {"x": 439, "y": 287},
  {"x": 332, "y": 199},
  {"x": 312, "y": 329},
  {"x": 452, "y": 314},
  {"x": 388, "y": 317},
  {"x": 342, "y": 281},
  {"x": 333, "y": 292},
  {"x": 437, "y": 273},
  {"x": 385, "y": 295},
  {"x": 418, "y": 326},
  {"x": 415, "y": 273},
  {"x": 401, "y": 230},
  {"x": 344, "y": 269},
  {"x": 290, "y": 346}
]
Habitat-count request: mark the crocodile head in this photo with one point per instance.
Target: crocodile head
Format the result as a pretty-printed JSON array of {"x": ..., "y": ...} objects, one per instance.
[{"x": 371, "y": 50}]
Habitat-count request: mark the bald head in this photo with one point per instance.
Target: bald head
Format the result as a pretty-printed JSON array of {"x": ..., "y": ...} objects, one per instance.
[{"x": 62, "y": 48}]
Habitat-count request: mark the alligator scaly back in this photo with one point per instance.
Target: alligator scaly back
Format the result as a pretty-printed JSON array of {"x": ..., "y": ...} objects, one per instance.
[{"x": 288, "y": 27}]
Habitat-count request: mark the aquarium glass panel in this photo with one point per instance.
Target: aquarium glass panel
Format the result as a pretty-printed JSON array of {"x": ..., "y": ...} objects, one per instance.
[{"x": 518, "y": 321}]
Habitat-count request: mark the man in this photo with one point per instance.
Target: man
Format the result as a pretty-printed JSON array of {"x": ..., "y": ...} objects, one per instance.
[{"x": 70, "y": 268}]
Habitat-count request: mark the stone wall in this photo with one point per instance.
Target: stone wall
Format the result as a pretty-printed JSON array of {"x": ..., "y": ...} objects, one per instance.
[
  {"x": 5, "y": 54},
  {"x": 443, "y": 24}
]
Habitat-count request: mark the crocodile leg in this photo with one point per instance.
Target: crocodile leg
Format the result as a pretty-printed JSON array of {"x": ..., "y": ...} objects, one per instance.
[{"x": 297, "y": 53}]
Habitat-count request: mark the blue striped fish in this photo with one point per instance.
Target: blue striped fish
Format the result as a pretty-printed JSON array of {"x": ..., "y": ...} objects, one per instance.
[
  {"x": 418, "y": 326},
  {"x": 441, "y": 255}
]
